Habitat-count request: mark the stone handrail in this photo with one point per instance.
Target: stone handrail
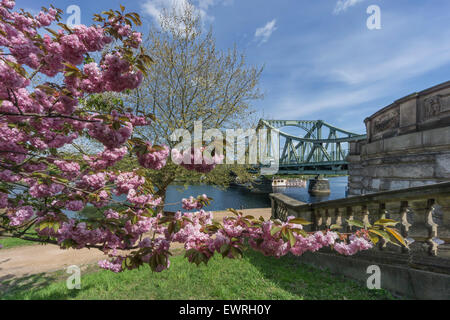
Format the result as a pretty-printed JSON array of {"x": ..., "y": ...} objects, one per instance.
[{"x": 423, "y": 214}]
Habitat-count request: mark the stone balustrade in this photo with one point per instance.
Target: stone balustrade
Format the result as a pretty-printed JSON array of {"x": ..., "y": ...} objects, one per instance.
[{"x": 423, "y": 214}]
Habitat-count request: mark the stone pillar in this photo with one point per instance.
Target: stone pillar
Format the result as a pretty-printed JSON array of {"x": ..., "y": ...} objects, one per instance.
[{"x": 319, "y": 187}]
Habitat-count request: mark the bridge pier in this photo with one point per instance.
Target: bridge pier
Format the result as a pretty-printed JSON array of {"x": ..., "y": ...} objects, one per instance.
[{"x": 319, "y": 186}]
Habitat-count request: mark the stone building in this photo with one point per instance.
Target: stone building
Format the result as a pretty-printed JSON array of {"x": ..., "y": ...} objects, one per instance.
[{"x": 408, "y": 144}]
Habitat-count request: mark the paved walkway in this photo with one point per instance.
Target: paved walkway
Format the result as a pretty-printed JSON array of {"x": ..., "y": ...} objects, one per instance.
[{"x": 29, "y": 260}]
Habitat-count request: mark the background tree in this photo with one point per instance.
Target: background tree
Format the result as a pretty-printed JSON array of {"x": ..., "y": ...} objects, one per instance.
[{"x": 191, "y": 80}]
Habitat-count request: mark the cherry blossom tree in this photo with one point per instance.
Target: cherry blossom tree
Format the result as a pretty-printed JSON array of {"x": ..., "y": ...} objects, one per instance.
[{"x": 40, "y": 186}]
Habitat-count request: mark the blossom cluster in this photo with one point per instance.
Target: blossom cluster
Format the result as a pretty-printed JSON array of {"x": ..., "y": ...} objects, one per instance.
[
  {"x": 194, "y": 204},
  {"x": 194, "y": 159},
  {"x": 154, "y": 158},
  {"x": 106, "y": 158},
  {"x": 37, "y": 120},
  {"x": 229, "y": 238}
]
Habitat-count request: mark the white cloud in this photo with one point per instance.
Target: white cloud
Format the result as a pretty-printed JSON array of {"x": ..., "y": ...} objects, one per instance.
[
  {"x": 343, "y": 5},
  {"x": 205, "y": 4},
  {"x": 263, "y": 34},
  {"x": 154, "y": 8}
]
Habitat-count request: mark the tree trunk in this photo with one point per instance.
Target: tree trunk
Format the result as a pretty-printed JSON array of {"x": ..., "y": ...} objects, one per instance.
[{"x": 162, "y": 194}]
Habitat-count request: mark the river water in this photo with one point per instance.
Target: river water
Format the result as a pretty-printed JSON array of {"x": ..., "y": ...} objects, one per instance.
[
  {"x": 238, "y": 197},
  {"x": 241, "y": 198}
]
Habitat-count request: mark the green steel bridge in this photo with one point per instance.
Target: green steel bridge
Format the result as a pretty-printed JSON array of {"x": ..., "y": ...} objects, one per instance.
[{"x": 315, "y": 147}]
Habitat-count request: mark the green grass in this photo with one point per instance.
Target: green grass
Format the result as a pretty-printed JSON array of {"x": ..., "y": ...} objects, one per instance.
[
  {"x": 8, "y": 242},
  {"x": 14, "y": 242},
  {"x": 253, "y": 277}
]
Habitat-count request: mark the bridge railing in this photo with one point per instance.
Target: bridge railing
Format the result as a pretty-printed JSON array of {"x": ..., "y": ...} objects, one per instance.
[
  {"x": 421, "y": 271},
  {"x": 423, "y": 214}
]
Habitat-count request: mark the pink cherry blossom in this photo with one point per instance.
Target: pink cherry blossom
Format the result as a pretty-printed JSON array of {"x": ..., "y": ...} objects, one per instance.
[{"x": 155, "y": 159}]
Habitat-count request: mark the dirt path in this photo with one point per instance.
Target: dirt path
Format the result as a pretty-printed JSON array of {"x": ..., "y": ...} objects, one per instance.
[{"x": 29, "y": 260}]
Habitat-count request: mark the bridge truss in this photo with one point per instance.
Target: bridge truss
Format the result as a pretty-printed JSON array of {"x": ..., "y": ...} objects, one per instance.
[{"x": 320, "y": 148}]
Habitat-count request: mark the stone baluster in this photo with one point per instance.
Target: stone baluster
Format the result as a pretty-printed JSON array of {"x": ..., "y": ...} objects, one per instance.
[
  {"x": 365, "y": 216},
  {"x": 419, "y": 228},
  {"x": 328, "y": 221},
  {"x": 404, "y": 224},
  {"x": 273, "y": 204},
  {"x": 276, "y": 210},
  {"x": 444, "y": 226},
  {"x": 339, "y": 212},
  {"x": 383, "y": 213},
  {"x": 349, "y": 217},
  {"x": 318, "y": 219},
  {"x": 282, "y": 211},
  {"x": 433, "y": 240}
]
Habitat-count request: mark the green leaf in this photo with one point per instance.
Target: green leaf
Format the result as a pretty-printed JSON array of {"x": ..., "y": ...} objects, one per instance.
[
  {"x": 300, "y": 232},
  {"x": 277, "y": 222},
  {"x": 374, "y": 239},
  {"x": 43, "y": 225},
  {"x": 386, "y": 222},
  {"x": 335, "y": 227},
  {"x": 116, "y": 125},
  {"x": 233, "y": 211},
  {"x": 381, "y": 233},
  {"x": 292, "y": 238},
  {"x": 300, "y": 221},
  {"x": 71, "y": 67},
  {"x": 355, "y": 223},
  {"x": 397, "y": 236},
  {"x": 275, "y": 230},
  {"x": 55, "y": 227},
  {"x": 284, "y": 233}
]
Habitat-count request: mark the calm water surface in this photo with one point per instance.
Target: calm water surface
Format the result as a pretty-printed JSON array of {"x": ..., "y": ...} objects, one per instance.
[{"x": 240, "y": 198}]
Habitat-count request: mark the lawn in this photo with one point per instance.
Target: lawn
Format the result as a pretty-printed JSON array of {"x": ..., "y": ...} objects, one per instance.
[
  {"x": 13, "y": 242},
  {"x": 253, "y": 277},
  {"x": 8, "y": 242}
]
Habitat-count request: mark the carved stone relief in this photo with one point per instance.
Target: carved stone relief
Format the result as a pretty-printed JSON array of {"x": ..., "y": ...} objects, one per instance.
[
  {"x": 431, "y": 107},
  {"x": 386, "y": 121},
  {"x": 445, "y": 103}
]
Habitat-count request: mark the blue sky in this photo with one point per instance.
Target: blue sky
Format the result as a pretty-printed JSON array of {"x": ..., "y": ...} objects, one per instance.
[{"x": 321, "y": 61}]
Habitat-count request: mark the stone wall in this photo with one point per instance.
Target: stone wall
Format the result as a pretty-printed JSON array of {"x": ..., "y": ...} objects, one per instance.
[{"x": 408, "y": 144}]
